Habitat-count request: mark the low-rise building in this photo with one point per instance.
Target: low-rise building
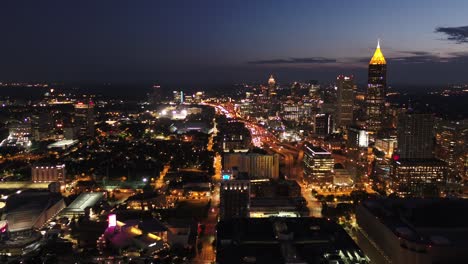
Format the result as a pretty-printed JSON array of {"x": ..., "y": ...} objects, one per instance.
[{"x": 48, "y": 173}]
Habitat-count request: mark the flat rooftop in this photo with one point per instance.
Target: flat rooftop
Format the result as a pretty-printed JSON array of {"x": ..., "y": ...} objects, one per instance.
[
  {"x": 317, "y": 150},
  {"x": 437, "y": 220},
  {"x": 284, "y": 240}
]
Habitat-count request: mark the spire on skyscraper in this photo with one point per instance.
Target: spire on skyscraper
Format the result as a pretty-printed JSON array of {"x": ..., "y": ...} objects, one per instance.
[
  {"x": 378, "y": 57},
  {"x": 271, "y": 80}
]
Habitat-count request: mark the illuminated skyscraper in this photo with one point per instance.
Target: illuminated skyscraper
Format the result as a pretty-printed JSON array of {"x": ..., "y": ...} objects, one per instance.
[
  {"x": 415, "y": 170},
  {"x": 271, "y": 86},
  {"x": 84, "y": 118},
  {"x": 155, "y": 95},
  {"x": 344, "y": 114},
  {"x": 376, "y": 90},
  {"x": 178, "y": 97}
]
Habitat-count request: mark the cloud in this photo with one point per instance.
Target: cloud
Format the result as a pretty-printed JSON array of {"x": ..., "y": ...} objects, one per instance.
[
  {"x": 416, "y": 57},
  {"x": 313, "y": 60},
  {"x": 457, "y": 34}
]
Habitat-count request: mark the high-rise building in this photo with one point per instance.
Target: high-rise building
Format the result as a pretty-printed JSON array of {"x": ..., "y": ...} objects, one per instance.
[
  {"x": 419, "y": 177},
  {"x": 376, "y": 91},
  {"x": 318, "y": 165},
  {"x": 271, "y": 86},
  {"x": 415, "y": 171},
  {"x": 323, "y": 124},
  {"x": 155, "y": 96},
  {"x": 84, "y": 118},
  {"x": 345, "y": 87},
  {"x": 178, "y": 97},
  {"x": 257, "y": 166},
  {"x": 452, "y": 147},
  {"x": 415, "y": 135},
  {"x": 234, "y": 198}
]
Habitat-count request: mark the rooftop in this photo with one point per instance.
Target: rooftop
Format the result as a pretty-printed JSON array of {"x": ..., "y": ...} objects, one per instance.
[
  {"x": 83, "y": 201},
  {"x": 429, "y": 221},
  {"x": 275, "y": 240}
]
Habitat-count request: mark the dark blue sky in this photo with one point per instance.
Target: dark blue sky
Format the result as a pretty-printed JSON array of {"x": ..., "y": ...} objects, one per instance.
[{"x": 214, "y": 41}]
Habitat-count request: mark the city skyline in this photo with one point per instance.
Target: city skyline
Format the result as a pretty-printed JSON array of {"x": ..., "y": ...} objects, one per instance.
[
  {"x": 225, "y": 42},
  {"x": 233, "y": 132}
]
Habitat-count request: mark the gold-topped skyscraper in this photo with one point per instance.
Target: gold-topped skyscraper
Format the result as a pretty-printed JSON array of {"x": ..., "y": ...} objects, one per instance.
[{"x": 376, "y": 90}]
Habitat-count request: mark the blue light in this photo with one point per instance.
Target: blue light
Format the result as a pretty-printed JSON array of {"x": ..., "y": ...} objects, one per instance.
[{"x": 226, "y": 177}]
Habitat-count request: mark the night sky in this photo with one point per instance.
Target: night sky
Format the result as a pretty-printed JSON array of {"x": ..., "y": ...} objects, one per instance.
[{"x": 213, "y": 41}]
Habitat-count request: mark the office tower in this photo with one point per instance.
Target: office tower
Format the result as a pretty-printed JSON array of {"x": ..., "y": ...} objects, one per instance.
[
  {"x": 155, "y": 95},
  {"x": 345, "y": 88},
  {"x": 452, "y": 146},
  {"x": 257, "y": 166},
  {"x": 323, "y": 124},
  {"x": 376, "y": 91},
  {"x": 415, "y": 135},
  {"x": 84, "y": 118},
  {"x": 234, "y": 136},
  {"x": 178, "y": 97},
  {"x": 318, "y": 165},
  {"x": 314, "y": 89},
  {"x": 234, "y": 198},
  {"x": 357, "y": 138},
  {"x": 415, "y": 171},
  {"x": 271, "y": 86}
]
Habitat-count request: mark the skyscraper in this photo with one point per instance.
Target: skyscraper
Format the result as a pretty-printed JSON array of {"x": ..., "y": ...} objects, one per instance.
[
  {"x": 155, "y": 96},
  {"x": 415, "y": 170},
  {"x": 415, "y": 135},
  {"x": 271, "y": 86},
  {"x": 178, "y": 97},
  {"x": 376, "y": 90},
  {"x": 84, "y": 118},
  {"x": 344, "y": 113}
]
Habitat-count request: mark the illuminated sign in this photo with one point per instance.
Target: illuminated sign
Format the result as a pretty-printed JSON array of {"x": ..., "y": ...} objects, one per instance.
[
  {"x": 226, "y": 177},
  {"x": 112, "y": 219},
  {"x": 3, "y": 226}
]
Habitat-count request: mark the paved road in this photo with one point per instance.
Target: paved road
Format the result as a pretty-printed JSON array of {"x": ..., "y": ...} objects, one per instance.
[
  {"x": 207, "y": 254},
  {"x": 315, "y": 207}
]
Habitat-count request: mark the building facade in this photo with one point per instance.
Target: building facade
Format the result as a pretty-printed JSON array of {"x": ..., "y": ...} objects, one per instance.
[
  {"x": 415, "y": 170},
  {"x": 318, "y": 165},
  {"x": 257, "y": 166},
  {"x": 84, "y": 118},
  {"x": 234, "y": 198},
  {"x": 376, "y": 91},
  {"x": 345, "y": 93},
  {"x": 415, "y": 135},
  {"x": 49, "y": 173}
]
